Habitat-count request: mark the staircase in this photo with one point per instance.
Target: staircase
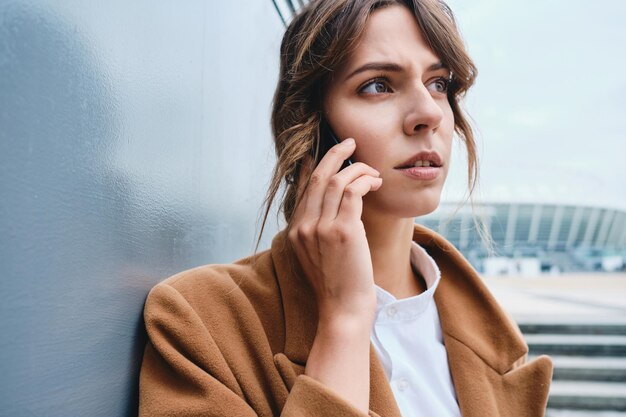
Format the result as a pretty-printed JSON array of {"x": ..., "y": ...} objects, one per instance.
[{"x": 589, "y": 366}]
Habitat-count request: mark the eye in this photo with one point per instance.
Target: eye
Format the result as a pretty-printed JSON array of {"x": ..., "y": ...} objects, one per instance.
[
  {"x": 441, "y": 85},
  {"x": 376, "y": 86}
]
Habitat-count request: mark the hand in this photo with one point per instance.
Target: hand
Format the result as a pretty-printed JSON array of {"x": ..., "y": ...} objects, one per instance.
[{"x": 328, "y": 236}]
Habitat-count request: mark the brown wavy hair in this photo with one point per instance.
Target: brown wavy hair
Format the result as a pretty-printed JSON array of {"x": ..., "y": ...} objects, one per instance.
[{"x": 318, "y": 41}]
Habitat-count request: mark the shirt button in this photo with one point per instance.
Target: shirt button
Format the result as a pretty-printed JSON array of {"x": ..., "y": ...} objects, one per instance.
[
  {"x": 403, "y": 384},
  {"x": 392, "y": 311}
]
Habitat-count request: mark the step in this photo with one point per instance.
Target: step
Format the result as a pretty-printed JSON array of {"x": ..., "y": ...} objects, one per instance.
[
  {"x": 578, "y": 368},
  {"x": 583, "y": 413},
  {"x": 576, "y": 345},
  {"x": 617, "y": 329},
  {"x": 587, "y": 395}
]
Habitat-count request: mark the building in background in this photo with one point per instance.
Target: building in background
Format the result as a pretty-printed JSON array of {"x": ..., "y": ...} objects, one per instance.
[{"x": 533, "y": 238}]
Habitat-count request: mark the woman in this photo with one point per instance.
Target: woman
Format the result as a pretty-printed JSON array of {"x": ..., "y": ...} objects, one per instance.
[{"x": 354, "y": 310}]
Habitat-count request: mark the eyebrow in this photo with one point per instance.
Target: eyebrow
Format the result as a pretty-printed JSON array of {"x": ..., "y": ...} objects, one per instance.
[{"x": 390, "y": 67}]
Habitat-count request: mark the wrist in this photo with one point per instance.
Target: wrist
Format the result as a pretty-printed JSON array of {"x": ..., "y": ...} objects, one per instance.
[
  {"x": 340, "y": 356},
  {"x": 345, "y": 324}
]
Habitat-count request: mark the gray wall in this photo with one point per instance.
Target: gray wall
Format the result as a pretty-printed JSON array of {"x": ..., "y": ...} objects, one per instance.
[{"x": 134, "y": 143}]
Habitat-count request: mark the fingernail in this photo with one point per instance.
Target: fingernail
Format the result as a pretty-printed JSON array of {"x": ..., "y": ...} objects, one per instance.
[{"x": 349, "y": 141}]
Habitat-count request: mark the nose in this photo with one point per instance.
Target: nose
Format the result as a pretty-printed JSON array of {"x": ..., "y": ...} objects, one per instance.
[{"x": 423, "y": 112}]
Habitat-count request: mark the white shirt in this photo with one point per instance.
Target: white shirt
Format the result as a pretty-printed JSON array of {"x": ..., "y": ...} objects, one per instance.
[{"x": 408, "y": 339}]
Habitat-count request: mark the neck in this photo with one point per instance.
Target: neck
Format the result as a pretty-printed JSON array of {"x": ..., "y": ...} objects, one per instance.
[{"x": 389, "y": 241}]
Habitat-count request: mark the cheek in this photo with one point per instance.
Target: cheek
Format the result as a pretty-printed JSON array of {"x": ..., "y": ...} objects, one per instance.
[
  {"x": 447, "y": 127},
  {"x": 371, "y": 148},
  {"x": 370, "y": 129},
  {"x": 448, "y": 114}
]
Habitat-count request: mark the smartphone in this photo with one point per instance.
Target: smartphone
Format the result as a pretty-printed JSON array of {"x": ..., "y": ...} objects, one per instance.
[{"x": 328, "y": 139}]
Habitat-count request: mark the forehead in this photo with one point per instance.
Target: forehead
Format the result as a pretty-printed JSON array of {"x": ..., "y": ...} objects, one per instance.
[{"x": 391, "y": 34}]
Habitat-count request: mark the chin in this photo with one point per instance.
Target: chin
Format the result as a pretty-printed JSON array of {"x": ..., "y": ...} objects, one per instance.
[
  {"x": 426, "y": 211},
  {"x": 420, "y": 204},
  {"x": 424, "y": 206}
]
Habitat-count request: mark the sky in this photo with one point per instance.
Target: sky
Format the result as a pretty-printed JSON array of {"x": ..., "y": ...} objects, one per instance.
[{"x": 549, "y": 104}]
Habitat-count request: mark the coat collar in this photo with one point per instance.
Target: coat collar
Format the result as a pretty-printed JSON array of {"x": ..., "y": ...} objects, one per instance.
[
  {"x": 470, "y": 317},
  {"x": 468, "y": 312}
]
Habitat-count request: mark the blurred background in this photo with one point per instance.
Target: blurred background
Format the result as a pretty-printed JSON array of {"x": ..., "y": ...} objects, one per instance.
[
  {"x": 135, "y": 143},
  {"x": 550, "y": 117}
]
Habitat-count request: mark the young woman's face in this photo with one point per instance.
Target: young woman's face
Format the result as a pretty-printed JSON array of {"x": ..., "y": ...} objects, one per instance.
[{"x": 393, "y": 114}]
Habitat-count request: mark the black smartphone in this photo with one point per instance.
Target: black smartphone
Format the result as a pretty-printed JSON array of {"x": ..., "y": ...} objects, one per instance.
[{"x": 327, "y": 141}]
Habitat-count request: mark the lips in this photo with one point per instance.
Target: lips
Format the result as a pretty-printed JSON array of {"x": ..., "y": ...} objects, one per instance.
[{"x": 431, "y": 156}]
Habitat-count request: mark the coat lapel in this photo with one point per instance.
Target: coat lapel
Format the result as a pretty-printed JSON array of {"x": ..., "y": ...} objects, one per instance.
[{"x": 483, "y": 344}]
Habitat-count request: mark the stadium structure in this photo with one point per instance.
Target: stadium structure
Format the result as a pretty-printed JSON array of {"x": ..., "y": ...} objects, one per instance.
[
  {"x": 530, "y": 238},
  {"x": 548, "y": 217}
]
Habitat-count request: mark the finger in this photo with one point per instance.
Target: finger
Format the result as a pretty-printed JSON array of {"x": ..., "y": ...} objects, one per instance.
[
  {"x": 337, "y": 185},
  {"x": 332, "y": 161},
  {"x": 328, "y": 166},
  {"x": 351, "y": 205}
]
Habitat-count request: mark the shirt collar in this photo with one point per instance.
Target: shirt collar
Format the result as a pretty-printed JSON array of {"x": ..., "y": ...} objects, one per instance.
[{"x": 408, "y": 308}]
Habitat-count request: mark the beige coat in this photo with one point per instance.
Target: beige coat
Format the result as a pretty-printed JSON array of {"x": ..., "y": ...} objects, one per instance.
[{"x": 233, "y": 340}]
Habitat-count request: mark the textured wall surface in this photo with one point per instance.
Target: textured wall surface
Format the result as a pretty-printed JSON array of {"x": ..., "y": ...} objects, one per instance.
[{"x": 134, "y": 143}]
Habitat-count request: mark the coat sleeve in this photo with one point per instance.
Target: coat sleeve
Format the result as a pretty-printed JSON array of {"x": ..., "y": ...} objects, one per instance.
[{"x": 183, "y": 372}]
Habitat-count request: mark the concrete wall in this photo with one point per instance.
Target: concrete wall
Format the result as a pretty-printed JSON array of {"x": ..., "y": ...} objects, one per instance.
[{"x": 134, "y": 143}]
